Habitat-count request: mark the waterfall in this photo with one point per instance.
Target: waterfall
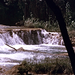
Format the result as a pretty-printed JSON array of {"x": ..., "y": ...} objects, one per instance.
[
  {"x": 53, "y": 38},
  {"x": 30, "y": 37},
  {"x": 10, "y": 38},
  {"x": 35, "y": 42}
]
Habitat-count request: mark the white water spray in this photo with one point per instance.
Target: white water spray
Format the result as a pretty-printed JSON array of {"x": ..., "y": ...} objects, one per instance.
[
  {"x": 36, "y": 40},
  {"x": 53, "y": 38}
]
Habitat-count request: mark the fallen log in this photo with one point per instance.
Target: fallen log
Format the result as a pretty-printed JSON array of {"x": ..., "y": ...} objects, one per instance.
[{"x": 11, "y": 47}]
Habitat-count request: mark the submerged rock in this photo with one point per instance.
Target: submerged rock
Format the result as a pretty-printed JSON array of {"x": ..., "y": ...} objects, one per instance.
[{"x": 20, "y": 49}]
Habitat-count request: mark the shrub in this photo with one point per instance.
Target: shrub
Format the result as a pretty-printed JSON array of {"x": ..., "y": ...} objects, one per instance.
[
  {"x": 35, "y": 23},
  {"x": 50, "y": 66},
  {"x": 24, "y": 68}
]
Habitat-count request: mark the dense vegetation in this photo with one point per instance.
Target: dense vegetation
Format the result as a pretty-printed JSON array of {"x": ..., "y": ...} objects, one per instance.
[
  {"x": 46, "y": 66},
  {"x": 12, "y": 11}
]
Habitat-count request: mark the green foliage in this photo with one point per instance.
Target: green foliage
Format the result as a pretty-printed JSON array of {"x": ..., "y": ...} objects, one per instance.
[
  {"x": 24, "y": 68},
  {"x": 50, "y": 66},
  {"x": 68, "y": 14},
  {"x": 35, "y": 23},
  {"x": 12, "y": 11},
  {"x": 9, "y": 13},
  {"x": 71, "y": 27}
]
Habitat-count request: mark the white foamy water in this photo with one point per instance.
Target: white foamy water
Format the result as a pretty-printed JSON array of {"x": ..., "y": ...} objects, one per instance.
[
  {"x": 49, "y": 45},
  {"x": 8, "y": 55},
  {"x": 7, "y": 38},
  {"x": 53, "y": 38}
]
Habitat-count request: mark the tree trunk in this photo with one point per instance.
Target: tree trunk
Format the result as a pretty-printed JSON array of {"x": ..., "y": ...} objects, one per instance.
[{"x": 64, "y": 32}]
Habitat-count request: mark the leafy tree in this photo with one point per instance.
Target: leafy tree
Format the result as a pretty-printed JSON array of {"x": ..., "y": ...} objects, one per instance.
[
  {"x": 9, "y": 12},
  {"x": 13, "y": 11},
  {"x": 3, "y": 10},
  {"x": 68, "y": 14}
]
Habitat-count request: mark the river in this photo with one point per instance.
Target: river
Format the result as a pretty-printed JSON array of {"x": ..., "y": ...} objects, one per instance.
[{"x": 30, "y": 44}]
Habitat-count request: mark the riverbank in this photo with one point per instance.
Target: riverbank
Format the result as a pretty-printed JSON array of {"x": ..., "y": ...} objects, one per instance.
[
  {"x": 19, "y": 43},
  {"x": 60, "y": 66},
  {"x": 44, "y": 67}
]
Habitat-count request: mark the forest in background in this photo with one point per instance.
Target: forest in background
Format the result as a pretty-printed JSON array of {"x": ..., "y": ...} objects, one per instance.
[{"x": 13, "y": 11}]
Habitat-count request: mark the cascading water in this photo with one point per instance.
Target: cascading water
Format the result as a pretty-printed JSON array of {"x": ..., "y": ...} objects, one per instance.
[
  {"x": 39, "y": 37},
  {"x": 11, "y": 39},
  {"x": 31, "y": 37},
  {"x": 36, "y": 42},
  {"x": 53, "y": 38}
]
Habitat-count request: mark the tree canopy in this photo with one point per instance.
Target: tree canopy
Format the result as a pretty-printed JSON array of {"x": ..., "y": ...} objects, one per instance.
[{"x": 12, "y": 11}]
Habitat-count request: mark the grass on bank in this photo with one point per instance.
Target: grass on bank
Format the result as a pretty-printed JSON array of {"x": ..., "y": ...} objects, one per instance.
[
  {"x": 47, "y": 66},
  {"x": 35, "y": 23},
  {"x": 54, "y": 26}
]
